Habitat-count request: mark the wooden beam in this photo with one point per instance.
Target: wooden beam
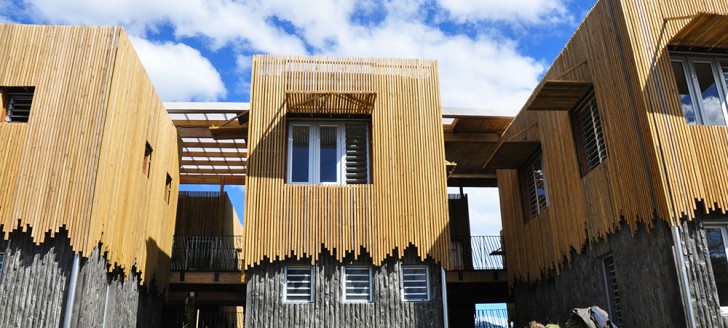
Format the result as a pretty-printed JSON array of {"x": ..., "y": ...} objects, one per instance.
[
  {"x": 217, "y": 171},
  {"x": 214, "y": 154},
  {"x": 189, "y": 132},
  {"x": 212, "y": 179},
  {"x": 229, "y": 132},
  {"x": 236, "y": 145},
  {"x": 213, "y": 162},
  {"x": 472, "y": 137}
]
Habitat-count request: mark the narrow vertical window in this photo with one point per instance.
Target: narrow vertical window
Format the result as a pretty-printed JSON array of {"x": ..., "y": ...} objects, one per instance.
[
  {"x": 588, "y": 134},
  {"x": 300, "y": 153},
  {"x": 299, "y": 284},
  {"x": 610, "y": 279},
  {"x": 147, "y": 164},
  {"x": 2, "y": 261},
  {"x": 17, "y": 103},
  {"x": 717, "y": 237},
  {"x": 415, "y": 283},
  {"x": 683, "y": 90},
  {"x": 357, "y": 284},
  {"x": 167, "y": 188},
  {"x": 533, "y": 187},
  {"x": 357, "y": 153}
]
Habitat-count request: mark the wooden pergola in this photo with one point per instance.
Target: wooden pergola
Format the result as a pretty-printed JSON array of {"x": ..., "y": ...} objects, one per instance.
[{"x": 212, "y": 138}]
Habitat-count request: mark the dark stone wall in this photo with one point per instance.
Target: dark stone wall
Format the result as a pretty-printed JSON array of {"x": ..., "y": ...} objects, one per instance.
[
  {"x": 265, "y": 307},
  {"x": 35, "y": 281},
  {"x": 646, "y": 278}
]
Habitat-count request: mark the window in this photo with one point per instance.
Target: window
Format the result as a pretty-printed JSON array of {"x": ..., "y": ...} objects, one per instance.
[
  {"x": 16, "y": 103},
  {"x": 610, "y": 279},
  {"x": 167, "y": 188},
  {"x": 588, "y": 133},
  {"x": 2, "y": 261},
  {"x": 701, "y": 85},
  {"x": 328, "y": 152},
  {"x": 717, "y": 237},
  {"x": 415, "y": 283},
  {"x": 299, "y": 284},
  {"x": 146, "y": 166},
  {"x": 357, "y": 284},
  {"x": 533, "y": 187}
]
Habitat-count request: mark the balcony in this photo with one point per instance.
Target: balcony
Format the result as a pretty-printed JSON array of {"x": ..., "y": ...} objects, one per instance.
[
  {"x": 207, "y": 253},
  {"x": 477, "y": 253}
]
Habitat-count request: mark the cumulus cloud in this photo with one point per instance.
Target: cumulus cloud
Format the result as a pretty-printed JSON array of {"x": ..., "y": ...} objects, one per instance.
[
  {"x": 179, "y": 72},
  {"x": 519, "y": 11}
]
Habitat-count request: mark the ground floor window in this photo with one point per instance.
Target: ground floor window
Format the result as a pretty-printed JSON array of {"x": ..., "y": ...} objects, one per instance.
[
  {"x": 299, "y": 284},
  {"x": 717, "y": 237},
  {"x": 415, "y": 283},
  {"x": 357, "y": 284}
]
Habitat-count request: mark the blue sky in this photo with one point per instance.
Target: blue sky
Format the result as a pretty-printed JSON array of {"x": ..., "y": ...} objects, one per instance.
[{"x": 491, "y": 53}]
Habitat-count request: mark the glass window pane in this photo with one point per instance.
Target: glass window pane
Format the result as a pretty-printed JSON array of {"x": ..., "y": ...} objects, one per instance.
[
  {"x": 712, "y": 109},
  {"x": 300, "y": 154},
  {"x": 328, "y": 154},
  {"x": 718, "y": 259},
  {"x": 684, "y": 92}
]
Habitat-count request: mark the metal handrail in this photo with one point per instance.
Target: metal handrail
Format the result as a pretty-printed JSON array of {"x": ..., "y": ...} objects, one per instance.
[
  {"x": 492, "y": 318},
  {"x": 207, "y": 253}
]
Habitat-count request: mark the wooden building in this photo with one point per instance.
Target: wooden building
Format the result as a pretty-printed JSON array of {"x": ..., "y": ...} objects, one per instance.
[
  {"x": 346, "y": 186},
  {"x": 612, "y": 175},
  {"x": 89, "y": 180}
]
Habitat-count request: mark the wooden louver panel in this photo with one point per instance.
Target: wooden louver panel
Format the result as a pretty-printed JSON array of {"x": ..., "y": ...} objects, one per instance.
[{"x": 357, "y": 167}]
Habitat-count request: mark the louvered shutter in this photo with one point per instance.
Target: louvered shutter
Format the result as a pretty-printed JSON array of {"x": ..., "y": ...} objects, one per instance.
[{"x": 357, "y": 166}]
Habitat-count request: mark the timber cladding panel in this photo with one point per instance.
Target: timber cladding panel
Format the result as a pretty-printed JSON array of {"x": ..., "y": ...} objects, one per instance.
[
  {"x": 406, "y": 203},
  {"x": 204, "y": 213},
  {"x": 656, "y": 164},
  {"x": 77, "y": 162}
]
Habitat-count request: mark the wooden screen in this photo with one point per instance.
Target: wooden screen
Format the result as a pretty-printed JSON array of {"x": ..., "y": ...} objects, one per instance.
[{"x": 406, "y": 203}]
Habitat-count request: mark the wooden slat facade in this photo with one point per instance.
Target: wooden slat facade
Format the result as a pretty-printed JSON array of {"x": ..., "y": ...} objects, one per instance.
[
  {"x": 406, "y": 203},
  {"x": 656, "y": 165},
  {"x": 78, "y": 161},
  {"x": 201, "y": 213}
]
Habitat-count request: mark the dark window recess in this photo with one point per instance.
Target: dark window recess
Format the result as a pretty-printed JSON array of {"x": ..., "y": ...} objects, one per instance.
[
  {"x": 534, "y": 187},
  {"x": 146, "y": 166},
  {"x": 167, "y": 188},
  {"x": 17, "y": 103},
  {"x": 615, "y": 302},
  {"x": 589, "y": 136},
  {"x": 356, "y": 154}
]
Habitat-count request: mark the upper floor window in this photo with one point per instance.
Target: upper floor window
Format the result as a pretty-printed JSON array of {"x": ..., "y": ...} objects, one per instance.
[
  {"x": 147, "y": 164},
  {"x": 533, "y": 186},
  {"x": 328, "y": 152},
  {"x": 16, "y": 103},
  {"x": 701, "y": 85},
  {"x": 588, "y": 132}
]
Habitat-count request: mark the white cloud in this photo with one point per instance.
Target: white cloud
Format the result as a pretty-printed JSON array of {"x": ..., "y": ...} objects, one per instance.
[
  {"x": 521, "y": 11},
  {"x": 179, "y": 72}
]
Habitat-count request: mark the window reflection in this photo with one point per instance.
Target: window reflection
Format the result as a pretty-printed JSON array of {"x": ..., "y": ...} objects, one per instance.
[{"x": 300, "y": 153}]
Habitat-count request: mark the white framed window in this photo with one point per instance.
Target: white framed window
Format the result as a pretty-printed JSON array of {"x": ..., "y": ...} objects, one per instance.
[
  {"x": 701, "y": 85},
  {"x": 415, "y": 283},
  {"x": 16, "y": 103},
  {"x": 299, "y": 284},
  {"x": 2, "y": 261},
  {"x": 357, "y": 283},
  {"x": 717, "y": 238},
  {"x": 614, "y": 301},
  {"x": 328, "y": 152}
]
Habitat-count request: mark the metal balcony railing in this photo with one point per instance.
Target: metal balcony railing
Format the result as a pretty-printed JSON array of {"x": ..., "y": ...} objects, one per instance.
[
  {"x": 207, "y": 253},
  {"x": 477, "y": 253},
  {"x": 492, "y": 318},
  {"x": 204, "y": 320}
]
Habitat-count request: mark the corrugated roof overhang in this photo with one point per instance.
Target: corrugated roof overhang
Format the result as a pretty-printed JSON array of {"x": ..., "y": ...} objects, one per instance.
[
  {"x": 557, "y": 95},
  {"x": 703, "y": 31},
  {"x": 330, "y": 102}
]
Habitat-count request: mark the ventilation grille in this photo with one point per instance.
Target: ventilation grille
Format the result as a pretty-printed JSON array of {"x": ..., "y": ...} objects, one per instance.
[
  {"x": 357, "y": 283},
  {"x": 591, "y": 130},
  {"x": 615, "y": 302},
  {"x": 19, "y": 106}
]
